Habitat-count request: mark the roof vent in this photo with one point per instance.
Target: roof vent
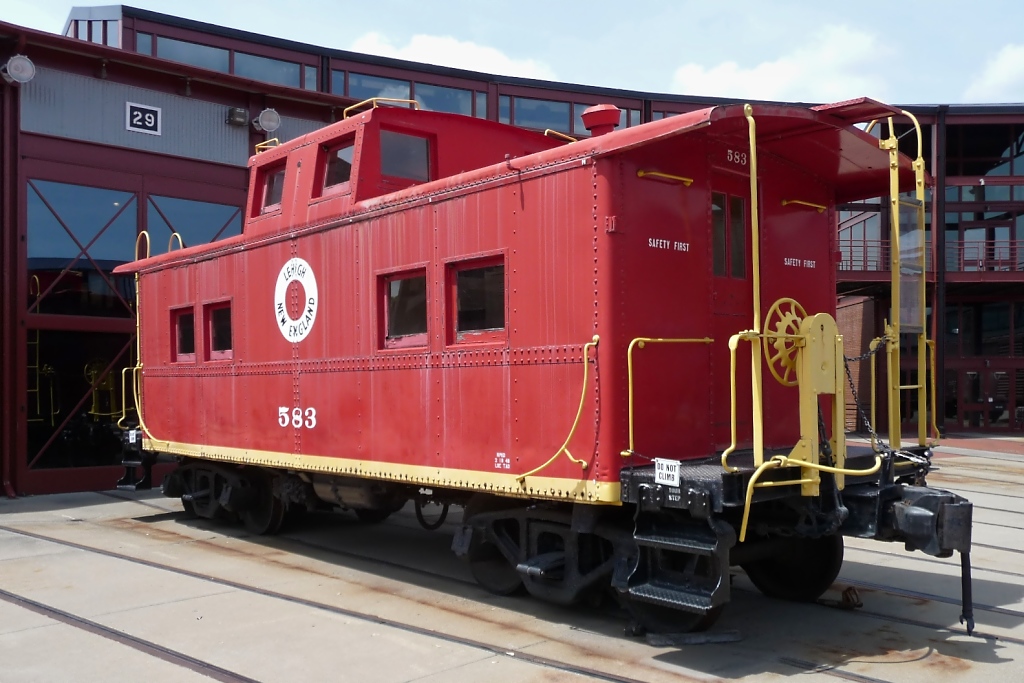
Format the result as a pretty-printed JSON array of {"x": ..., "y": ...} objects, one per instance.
[{"x": 601, "y": 119}]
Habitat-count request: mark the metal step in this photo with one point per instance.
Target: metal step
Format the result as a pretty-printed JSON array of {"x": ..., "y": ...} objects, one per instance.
[
  {"x": 679, "y": 541},
  {"x": 131, "y": 463},
  {"x": 655, "y": 592}
]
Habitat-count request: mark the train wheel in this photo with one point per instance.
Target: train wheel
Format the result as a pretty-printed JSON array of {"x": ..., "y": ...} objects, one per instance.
[
  {"x": 265, "y": 514},
  {"x": 489, "y": 566},
  {"x": 803, "y": 572},
  {"x": 651, "y": 618}
]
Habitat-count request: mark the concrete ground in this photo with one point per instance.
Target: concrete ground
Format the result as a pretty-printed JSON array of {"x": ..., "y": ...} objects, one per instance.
[{"x": 98, "y": 587}]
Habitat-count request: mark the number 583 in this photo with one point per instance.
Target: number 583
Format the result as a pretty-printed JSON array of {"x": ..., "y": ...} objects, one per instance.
[{"x": 296, "y": 417}]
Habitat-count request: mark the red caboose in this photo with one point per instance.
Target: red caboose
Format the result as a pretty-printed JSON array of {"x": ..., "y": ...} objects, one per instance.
[{"x": 564, "y": 336}]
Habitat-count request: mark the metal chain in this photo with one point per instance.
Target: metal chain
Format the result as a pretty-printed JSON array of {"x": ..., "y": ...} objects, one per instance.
[{"x": 883, "y": 446}]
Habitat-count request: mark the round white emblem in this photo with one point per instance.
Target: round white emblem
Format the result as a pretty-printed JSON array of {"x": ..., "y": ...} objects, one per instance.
[{"x": 295, "y": 329}]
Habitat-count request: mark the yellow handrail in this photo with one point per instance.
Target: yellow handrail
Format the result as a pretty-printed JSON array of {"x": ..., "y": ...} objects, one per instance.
[
  {"x": 935, "y": 426},
  {"x": 142, "y": 233},
  {"x": 170, "y": 242},
  {"x": 641, "y": 342},
  {"x": 579, "y": 413},
  {"x": 267, "y": 144},
  {"x": 734, "y": 342},
  {"x": 375, "y": 100},
  {"x": 552, "y": 133},
  {"x": 667, "y": 176},
  {"x": 757, "y": 418},
  {"x": 783, "y": 461},
  {"x": 820, "y": 207}
]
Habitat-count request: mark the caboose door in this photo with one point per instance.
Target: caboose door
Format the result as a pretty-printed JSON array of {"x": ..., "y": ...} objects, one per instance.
[{"x": 731, "y": 292}]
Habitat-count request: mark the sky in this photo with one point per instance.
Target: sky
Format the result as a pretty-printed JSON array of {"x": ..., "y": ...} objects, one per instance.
[{"x": 901, "y": 51}]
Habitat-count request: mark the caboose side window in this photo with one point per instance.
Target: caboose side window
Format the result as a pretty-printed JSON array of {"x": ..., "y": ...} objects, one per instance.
[
  {"x": 718, "y": 236},
  {"x": 404, "y": 156},
  {"x": 339, "y": 164},
  {"x": 218, "y": 331},
  {"x": 183, "y": 324},
  {"x": 405, "y": 310},
  {"x": 480, "y": 298},
  {"x": 728, "y": 235},
  {"x": 273, "y": 188},
  {"x": 737, "y": 238}
]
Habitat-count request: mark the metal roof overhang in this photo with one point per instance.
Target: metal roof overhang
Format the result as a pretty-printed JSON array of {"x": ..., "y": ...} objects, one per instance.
[{"x": 828, "y": 146}]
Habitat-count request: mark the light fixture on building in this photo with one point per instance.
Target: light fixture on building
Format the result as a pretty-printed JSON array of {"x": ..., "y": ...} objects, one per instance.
[
  {"x": 268, "y": 121},
  {"x": 237, "y": 116},
  {"x": 18, "y": 69}
]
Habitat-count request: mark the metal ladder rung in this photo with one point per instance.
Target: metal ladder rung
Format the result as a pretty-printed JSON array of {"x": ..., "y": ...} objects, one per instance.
[{"x": 910, "y": 386}]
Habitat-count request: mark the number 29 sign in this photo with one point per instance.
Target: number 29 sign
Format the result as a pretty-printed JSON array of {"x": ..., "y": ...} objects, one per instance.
[{"x": 142, "y": 118}]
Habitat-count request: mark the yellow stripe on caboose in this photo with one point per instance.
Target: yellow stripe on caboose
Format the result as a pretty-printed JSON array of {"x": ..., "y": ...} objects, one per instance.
[{"x": 548, "y": 488}]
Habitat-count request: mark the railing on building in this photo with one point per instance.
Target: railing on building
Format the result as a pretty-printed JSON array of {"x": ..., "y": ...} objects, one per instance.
[{"x": 872, "y": 256}]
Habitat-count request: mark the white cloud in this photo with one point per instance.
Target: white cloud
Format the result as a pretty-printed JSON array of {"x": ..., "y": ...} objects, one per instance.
[
  {"x": 448, "y": 51},
  {"x": 837, "y": 63},
  {"x": 1002, "y": 79}
]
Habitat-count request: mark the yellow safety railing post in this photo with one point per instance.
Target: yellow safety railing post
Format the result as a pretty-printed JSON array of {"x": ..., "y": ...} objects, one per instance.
[{"x": 755, "y": 252}]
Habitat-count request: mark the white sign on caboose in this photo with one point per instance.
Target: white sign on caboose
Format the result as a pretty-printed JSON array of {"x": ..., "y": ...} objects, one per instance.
[{"x": 295, "y": 329}]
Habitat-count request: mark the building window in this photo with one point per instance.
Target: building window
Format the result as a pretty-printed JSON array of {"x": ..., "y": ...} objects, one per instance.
[
  {"x": 273, "y": 189},
  {"x": 541, "y": 114},
  {"x": 405, "y": 318},
  {"x": 364, "y": 87},
  {"x": 479, "y": 299},
  {"x": 504, "y": 109},
  {"x": 481, "y": 105},
  {"x": 338, "y": 82},
  {"x": 404, "y": 156},
  {"x": 309, "y": 79},
  {"x": 218, "y": 331},
  {"x": 144, "y": 43},
  {"x": 203, "y": 56},
  {"x": 184, "y": 326},
  {"x": 440, "y": 98},
  {"x": 113, "y": 38},
  {"x": 195, "y": 222},
  {"x": 268, "y": 70}
]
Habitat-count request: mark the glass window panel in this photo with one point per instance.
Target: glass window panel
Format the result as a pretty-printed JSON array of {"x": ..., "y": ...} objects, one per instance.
[
  {"x": 267, "y": 69},
  {"x": 481, "y": 105},
  {"x": 196, "y": 222},
  {"x": 203, "y": 56},
  {"x": 985, "y": 167},
  {"x": 363, "y": 87},
  {"x": 481, "y": 298},
  {"x": 440, "y": 98},
  {"x": 144, "y": 43},
  {"x": 737, "y": 238},
  {"x": 542, "y": 114},
  {"x": 988, "y": 140},
  {"x": 274, "y": 188},
  {"x": 1018, "y": 331},
  {"x": 634, "y": 117},
  {"x": 995, "y": 330},
  {"x": 339, "y": 165},
  {"x": 185, "y": 326},
  {"x": 952, "y": 333},
  {"x": 952, "y": 193},
  {"x": 623, "y": 119},
  {"x": 104, "y": 222},
  {"x": 338, "y": 82},
  {"x": 577, "y": 119},
  {"x": 504, "y": 109},
  {"x": 66, "y": 372},
  {"x": 407, "y": 306},
  {"x": 220, "y": 329},
  {"x": 718, "y": 240},
  {"x": 114, "y": 33},
  {"x": 309, "y": 79},
  {"x": 404, "y": 156},
  {"x": 96, "y": 32}
]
